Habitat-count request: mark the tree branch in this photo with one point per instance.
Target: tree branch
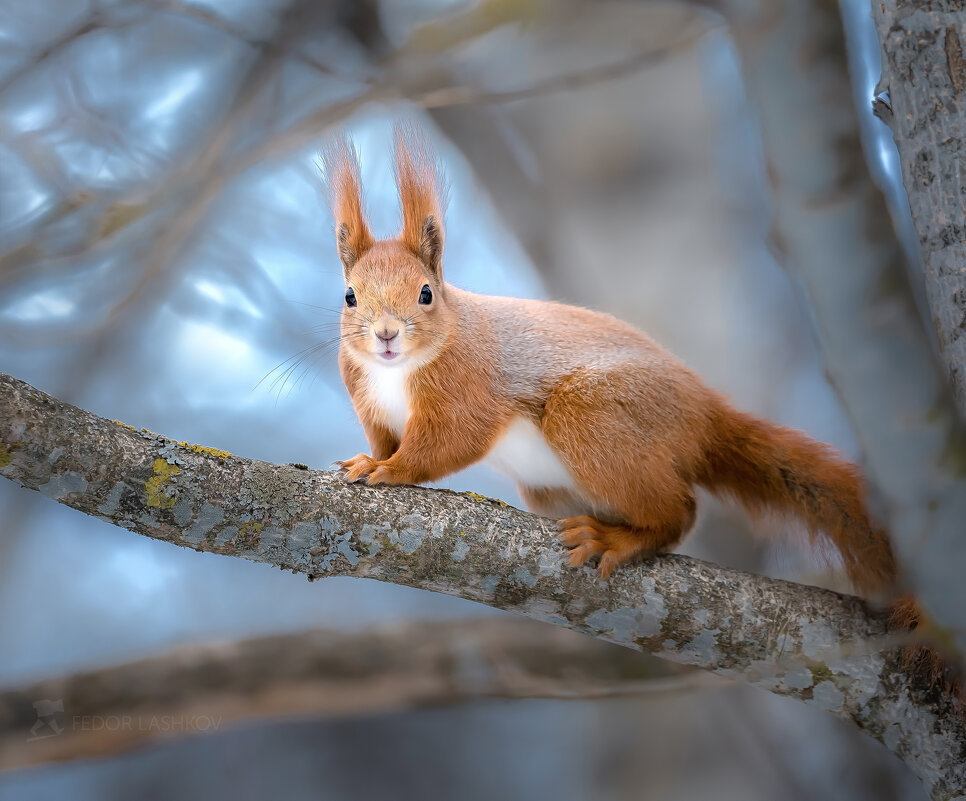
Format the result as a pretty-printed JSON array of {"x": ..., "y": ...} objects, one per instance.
[
  {"x": 467, "y": 95},
  {"x": 320, "y": 674},
  {"x": 826, "y": 649}
]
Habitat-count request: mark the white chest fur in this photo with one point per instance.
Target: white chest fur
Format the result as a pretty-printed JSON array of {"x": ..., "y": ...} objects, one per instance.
[
  {"x": 523, "y": 454},
  {"x": 387, "y": 389}
]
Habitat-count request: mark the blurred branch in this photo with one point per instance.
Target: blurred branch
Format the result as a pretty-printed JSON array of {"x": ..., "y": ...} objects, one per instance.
[
  {"x": 97, "y": 19},
  {"x": 190, "y": 200},
  {"x": 924, "y": 73},
  {"x": 826, "y": 649},
  {"x": 466, "y": 95},
  {"x": 119, "y": 16},
  {"x": 178, "y": 203},
  {"x": 324, "y": 673}
]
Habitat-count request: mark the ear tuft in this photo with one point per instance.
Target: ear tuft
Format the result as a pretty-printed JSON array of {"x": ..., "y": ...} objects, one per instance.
[
  {"x": 340, "y": 171},
  {"x": 422, "y": 192}
]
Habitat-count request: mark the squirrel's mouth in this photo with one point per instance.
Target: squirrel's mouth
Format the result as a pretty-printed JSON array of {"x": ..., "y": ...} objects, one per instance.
[{"x": 388, "y": 355}]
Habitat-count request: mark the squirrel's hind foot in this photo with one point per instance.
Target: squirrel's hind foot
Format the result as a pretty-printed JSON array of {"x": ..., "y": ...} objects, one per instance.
[{"x": 614, "y": 544}]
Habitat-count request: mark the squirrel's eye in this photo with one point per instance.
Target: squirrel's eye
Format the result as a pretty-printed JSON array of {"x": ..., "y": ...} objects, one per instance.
[
  {"x": 350, "y": 297},
  {"x": 426, "y": 296}
]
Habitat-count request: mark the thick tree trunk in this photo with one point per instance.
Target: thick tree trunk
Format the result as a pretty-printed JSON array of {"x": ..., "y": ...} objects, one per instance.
[{"x": 924, "y": 73}]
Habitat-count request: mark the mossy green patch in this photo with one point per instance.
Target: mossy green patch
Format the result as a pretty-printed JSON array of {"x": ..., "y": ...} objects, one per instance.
[
  {"x": 483, "y": 499},
  {"x": 821, "y": 673},
  {"x": 5, "y": 452},
  {"x": 219, "y": 454},
  {"x": 154, "y": 486},
  {"x": 250, "y": 534},
  {"x": 124, "y": 425}
]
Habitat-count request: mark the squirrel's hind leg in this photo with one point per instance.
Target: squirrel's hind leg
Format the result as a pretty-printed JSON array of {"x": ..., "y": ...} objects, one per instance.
[
  {"x": 629, "y": 456},
  {"x": 615, "y": 544}
]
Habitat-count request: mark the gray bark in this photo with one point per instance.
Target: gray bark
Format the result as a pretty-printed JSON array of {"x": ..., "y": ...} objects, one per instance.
[
  {"x": 828, "y": 650},
  {"x": 924, "y": 73}
]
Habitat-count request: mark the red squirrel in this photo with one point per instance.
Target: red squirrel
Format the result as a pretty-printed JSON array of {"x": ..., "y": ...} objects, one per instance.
[{"x": 594, "y": 421}]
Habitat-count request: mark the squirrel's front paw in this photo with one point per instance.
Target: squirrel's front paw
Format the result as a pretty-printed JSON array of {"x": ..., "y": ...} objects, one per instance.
[{"x": 358, "y": 468}]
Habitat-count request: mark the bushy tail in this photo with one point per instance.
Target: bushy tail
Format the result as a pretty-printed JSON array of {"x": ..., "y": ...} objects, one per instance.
[
  {"x": 770, "y": 467},
  {"x": 767, "y": 466}
]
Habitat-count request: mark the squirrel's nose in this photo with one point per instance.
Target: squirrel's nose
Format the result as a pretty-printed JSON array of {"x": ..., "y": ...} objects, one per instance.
[{"x": 386, "y": 335}]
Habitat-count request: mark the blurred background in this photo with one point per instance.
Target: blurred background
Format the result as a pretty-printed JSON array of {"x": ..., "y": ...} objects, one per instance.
[{"x": 166, "y": 258}]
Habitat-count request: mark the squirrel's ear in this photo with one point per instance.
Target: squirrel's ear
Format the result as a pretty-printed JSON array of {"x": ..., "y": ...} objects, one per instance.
[
  {"x": 340, "y": 171},
  {"x": 431, "y": 245},
  {"x": 346, "y": 245},
  {"x": 422, "y": 193}
]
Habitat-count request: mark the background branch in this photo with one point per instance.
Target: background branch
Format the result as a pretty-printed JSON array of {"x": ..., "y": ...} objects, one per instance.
[
  {"x": 791, "y": 639},
  {"x": 324, "y": 674}
]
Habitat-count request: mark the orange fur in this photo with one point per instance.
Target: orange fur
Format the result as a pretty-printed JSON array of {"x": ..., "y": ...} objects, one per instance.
[
  {"x": 610, "y": 431},
  {"x": 766, "y": 466}
]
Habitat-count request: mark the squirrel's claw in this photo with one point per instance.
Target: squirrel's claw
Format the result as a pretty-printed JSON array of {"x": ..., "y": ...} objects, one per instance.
[{"x": 357, "y": 469}]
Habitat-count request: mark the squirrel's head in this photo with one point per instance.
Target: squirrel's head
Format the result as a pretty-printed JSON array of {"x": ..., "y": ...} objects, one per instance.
[{"x": 394, "y": 311}]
